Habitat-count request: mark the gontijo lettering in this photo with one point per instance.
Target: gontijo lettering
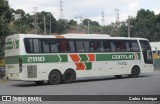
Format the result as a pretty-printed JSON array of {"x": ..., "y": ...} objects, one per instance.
[{"x": 119, "y": 57}]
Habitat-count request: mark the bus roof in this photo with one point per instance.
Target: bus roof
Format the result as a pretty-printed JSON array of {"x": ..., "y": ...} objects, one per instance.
[{"x": 76, "y": 36}]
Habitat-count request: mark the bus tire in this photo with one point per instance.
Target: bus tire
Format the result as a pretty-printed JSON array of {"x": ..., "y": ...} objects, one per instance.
[
  {"x": 69, "y": 76},
  {"x": 135, "y": 72},
  {"x": 54, "y": 77},
  {"x": 39, "y": 82},
  {"x": 118, "y": 76}
]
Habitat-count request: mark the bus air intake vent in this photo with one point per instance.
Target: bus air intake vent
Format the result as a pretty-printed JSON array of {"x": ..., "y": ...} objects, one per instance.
[{"x": 32, "y": 71}]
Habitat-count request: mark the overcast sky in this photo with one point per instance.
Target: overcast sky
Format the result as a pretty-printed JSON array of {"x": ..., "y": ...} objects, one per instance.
[{"x": 91, "y": 9}]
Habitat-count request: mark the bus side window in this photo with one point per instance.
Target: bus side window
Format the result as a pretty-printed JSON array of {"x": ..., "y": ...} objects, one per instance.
[
  {"x": 79, "y": 46},
  {"x": 37, "y": 45},
  {"x": 54, "y": 46},
  {"x": 62, "y": 46},
  {"x": 91, "y": 46},
  {"x": 100, "y": 46},
  {"x": 120, "y": 46},
  {"x": 28, "y": 45},
  {"x": 113, "y": 46},
  {"x": 134, "y": 47},
  {"x": 46, "y": 46},
  {"x": 71, "y": 46},
  {"x": 107, "y": 46},
  {"x": 127, "y": 47},
  {"x": 86, "y": 46}
]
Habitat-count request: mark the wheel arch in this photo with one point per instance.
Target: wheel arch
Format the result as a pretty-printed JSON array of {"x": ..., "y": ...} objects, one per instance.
[
  {"x": 55, "y": 70},
  {"x": 137, "y": 67},
  {"x": 71, "y": 70}
]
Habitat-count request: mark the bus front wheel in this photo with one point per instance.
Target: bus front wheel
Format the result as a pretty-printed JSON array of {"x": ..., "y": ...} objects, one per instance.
[
  {"x": 69, "y": 76},
  {"x": 54, "y": 77},
  {"x": 135, "y": 72}
]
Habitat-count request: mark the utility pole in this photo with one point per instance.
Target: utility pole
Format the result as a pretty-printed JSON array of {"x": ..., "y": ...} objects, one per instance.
[
  {"x": 50, "y": 31},
  {"x": 88, "y": 27},
  {"x": 44, "y": 25},
  {"x": 35, "y": 19},
  {"x": 129, "y": 26},
  {"x": 117, "y": 20}
]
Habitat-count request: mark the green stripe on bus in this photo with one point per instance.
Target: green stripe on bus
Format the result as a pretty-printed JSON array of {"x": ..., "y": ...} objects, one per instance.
[
  {"x": 37, "y": 59},
  {"x": 83, "y": 57},
  {"x": 45, "y": 58},
  {"x": 12, "y": 60},
  {"x": 64, "y": 58},
  {"x": 126, "y": 56},
  {"x": 88, "y": 65}
]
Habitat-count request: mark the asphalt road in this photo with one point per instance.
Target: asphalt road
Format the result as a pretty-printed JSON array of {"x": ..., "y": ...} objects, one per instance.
[{"x": 146, "y": 84}]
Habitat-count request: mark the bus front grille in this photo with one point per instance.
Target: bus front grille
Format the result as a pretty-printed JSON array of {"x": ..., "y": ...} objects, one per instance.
[{"x": 32, "y": 71}]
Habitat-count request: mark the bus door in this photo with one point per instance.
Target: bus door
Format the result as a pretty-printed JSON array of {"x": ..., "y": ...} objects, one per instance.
[{"x": 147, "y": 53}]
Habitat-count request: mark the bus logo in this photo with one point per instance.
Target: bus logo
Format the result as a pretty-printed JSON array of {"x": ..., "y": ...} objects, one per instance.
[{"x": 12, "y": 45}]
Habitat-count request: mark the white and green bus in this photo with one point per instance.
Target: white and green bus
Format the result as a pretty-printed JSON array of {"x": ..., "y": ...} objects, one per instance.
[{"x": 66, "y": 58}]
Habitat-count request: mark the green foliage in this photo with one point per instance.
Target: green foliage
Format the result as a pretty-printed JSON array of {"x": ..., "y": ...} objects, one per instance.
[
  {"x": 61, "y": 26},
  {"x": 19, "y": 11},
  {"x": 72, "y": 23},
  {"x": 5, "y": 18}
]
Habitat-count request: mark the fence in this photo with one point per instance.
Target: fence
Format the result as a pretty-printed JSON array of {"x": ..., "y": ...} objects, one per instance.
[{"x": 157, "y": 64}]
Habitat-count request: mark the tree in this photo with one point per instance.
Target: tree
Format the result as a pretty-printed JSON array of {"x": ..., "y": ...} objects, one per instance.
[
  {"x": 20, "y": 11},
  {"x": 5, "y": 17},
  {"x": 145, "y": 24},
  {"x": 47, "y": 16},
  {"x": 72, "y": 23},
  {"x": 85, "y": 21},
  {"x": 62, "y": 26},
  {"x": 95, "y": 23}
]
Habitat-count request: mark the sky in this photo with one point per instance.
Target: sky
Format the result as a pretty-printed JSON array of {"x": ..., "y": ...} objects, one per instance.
[{"x": 90, "y": 9}]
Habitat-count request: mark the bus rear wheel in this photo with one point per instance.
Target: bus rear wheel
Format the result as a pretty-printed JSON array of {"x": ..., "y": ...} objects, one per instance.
[
  {"x": 54, "y": 77},
  {"x": 69, "y": 76},
  {"x": 135, "y": 72}
]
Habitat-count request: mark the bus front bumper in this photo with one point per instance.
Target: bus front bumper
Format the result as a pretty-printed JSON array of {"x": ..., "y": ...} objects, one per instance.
[{"x": 13, "y": 76}]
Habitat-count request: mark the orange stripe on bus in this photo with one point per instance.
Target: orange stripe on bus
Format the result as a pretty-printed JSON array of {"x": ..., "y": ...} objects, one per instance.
[
  {"x": 59, "y": 36},
  {"x": 80, "y": 66},
  {"x": 75, "y": 57},
  {"x": 91, "y": 57}
]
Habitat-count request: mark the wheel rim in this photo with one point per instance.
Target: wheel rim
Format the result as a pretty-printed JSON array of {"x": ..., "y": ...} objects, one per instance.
[
  {"x": 134, "y": 71},
  {"x": 54, "y": 77},
  {"x": 68, "y": 76}
]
